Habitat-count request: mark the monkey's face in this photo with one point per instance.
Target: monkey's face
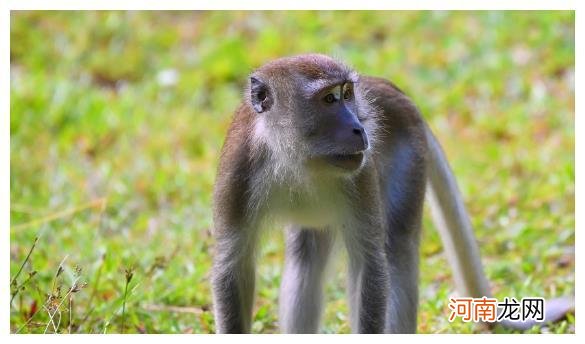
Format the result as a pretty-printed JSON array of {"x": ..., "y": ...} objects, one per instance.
[
  {"x": 319, "y": 127},
  {"x": 308, "y": 113},
  {"x": 331, "y": 127}
]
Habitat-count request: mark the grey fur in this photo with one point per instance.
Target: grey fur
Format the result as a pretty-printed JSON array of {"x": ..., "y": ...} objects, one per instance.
[
  {"x": 274, "y": 172},
  {"x": 267, "y": 178},
  {"x": 301, "y": 294}
]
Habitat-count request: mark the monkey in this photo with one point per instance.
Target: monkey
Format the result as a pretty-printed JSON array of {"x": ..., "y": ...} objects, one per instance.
[{"x": 333, "y": 156}]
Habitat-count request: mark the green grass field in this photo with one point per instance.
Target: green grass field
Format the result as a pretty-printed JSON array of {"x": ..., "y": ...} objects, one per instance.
[{"x": 117, "y": 119}]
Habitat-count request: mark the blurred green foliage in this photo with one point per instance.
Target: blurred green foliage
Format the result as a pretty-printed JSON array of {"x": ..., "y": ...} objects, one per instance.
[{"x": 131, "y": 108}]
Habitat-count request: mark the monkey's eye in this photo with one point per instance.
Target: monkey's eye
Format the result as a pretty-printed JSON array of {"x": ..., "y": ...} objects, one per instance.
[
  {"x": 347, "y": 94},
  {"x": 348, "y": 91},
  {"x": 330, "y": 98}
]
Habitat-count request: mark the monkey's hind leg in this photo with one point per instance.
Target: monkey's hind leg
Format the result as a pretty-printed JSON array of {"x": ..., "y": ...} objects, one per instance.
[
  {"x": 301, "y": 294},
  {"x": 402, "y": 251},
  {"x": 367, "y": 281}
]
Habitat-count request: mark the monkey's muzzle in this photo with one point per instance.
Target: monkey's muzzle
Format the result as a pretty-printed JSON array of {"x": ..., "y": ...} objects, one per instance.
[{"x": 348, "y": 162}]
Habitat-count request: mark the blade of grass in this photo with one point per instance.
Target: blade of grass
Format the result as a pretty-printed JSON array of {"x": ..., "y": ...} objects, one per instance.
[
  {"x": 94, "y": 289},
  {"x": 100, "y": 202},
  {"x": 25, "y": 260},
  {"x": 61, "y": 303},
  {"x": 19, "y": 287},
  {"x": 70, "y": 313},
  {"x": 129, "y": 275}
]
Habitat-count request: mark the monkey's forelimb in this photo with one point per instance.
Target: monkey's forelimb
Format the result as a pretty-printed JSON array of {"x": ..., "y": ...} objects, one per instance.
[
  {"x": 452, "y": 222},
  {"x": 301, "y": 293},
  {"x": 367, "y": 287},
  {"x": 233, "y": 281}
]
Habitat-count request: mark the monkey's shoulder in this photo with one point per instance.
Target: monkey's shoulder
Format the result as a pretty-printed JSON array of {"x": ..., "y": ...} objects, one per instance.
[
  {"x": 235, "y": 164},
  {"x": 397, "y": 108},
  {"x": 398, "y": 118},
  {"x": 377, "y": 84}
]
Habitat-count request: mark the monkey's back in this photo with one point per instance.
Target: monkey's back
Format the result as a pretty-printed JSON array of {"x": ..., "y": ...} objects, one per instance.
[{"x": 400, "y": 152}]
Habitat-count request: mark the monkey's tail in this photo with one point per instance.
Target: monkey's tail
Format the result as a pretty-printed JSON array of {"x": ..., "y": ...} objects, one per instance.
[{"x": 452, "y": 222}]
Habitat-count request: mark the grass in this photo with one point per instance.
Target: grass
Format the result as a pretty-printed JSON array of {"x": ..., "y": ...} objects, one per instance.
[{"x": 117, "y": 120}]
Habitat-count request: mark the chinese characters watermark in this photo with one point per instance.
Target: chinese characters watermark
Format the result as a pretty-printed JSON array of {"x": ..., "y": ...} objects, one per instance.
[{"x": 490, "y": 310}]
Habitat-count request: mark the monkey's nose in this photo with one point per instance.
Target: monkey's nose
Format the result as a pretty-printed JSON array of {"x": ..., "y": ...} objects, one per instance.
[{"x": 362, "y": 133}]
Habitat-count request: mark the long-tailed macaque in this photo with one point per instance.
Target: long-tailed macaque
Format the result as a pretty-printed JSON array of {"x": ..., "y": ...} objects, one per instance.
[{"x": 333, "y": 155}]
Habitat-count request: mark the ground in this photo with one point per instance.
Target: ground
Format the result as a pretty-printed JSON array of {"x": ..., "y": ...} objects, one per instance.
[{"x": 117, "y": 119}]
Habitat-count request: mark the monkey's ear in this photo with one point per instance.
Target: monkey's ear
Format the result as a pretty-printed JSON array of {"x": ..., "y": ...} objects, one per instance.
[{"x": 260, "y": 95}]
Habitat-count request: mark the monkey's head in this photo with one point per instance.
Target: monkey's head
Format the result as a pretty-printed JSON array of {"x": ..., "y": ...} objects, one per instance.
[{"x": 309, "y": 111}]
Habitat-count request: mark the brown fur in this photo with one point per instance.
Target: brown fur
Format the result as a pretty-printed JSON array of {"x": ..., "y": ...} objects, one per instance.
[{"x": 384, "y": 197}]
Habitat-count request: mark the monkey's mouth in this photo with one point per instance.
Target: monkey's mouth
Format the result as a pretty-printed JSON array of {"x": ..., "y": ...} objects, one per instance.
[{"x": 346, "y": 161}]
